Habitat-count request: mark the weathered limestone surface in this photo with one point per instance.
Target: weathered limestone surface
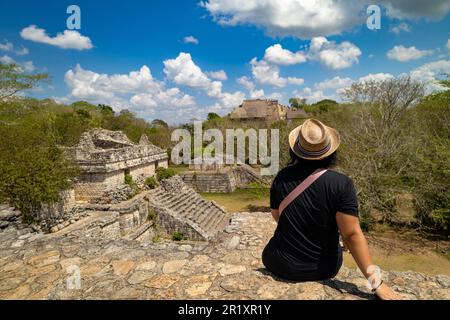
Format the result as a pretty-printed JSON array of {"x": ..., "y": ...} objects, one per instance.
[{"x": 35, "y": 266}]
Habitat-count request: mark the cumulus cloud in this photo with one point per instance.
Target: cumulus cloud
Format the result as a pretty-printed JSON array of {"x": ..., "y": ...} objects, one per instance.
[
  {"x": 69, "y": 39},
  {"x": 26, "y": 66},
  {"x": 265, "y": 73},
  {"x": 401, "y": 27},
  {"x": 5, "y": 59},
  {"x": 334, "y": 83},
  {"x": 307, "y": 19},
  {"x": 257, "y": 94},
  {"x": 6, "y": 46},
  {"x": 401, "y": 53},
  {"x": 191, "y": 39},
  {"x": 137, "y": 90},
  {"x": 277, "y": 55},
  {"x": 301, "y": 18},
  {"x": 183, "y": 71},
  {"x": 246, "y": 82},
  {"x": 218, "y": 75},
  {"x": 311, "y": 95},
  {"x": 448, "y": 44},
  {"x": 22, "y": 51},
  {"x": 414, "y": 9},
  {"x": 334, "y": 56},
  {"x": 376, "y": 77},
  {"x": 430, "y": 72}
]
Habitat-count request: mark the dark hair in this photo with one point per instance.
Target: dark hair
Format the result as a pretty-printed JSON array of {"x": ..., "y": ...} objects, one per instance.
[{"x": 329, "y": 162}]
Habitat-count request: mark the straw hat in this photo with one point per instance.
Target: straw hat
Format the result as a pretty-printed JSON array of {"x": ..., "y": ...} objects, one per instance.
[{"x": 313, "y": 140}]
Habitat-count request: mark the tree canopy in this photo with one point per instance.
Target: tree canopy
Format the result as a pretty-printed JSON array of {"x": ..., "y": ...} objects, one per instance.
[{"x": 13, "y": 80}]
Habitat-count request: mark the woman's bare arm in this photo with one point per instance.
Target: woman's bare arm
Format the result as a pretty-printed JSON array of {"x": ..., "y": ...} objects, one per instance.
[{"x": 356, "y": 242}]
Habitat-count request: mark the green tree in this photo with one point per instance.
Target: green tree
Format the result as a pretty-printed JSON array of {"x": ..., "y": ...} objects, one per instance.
[
  {"x": 13, "y": 80},
  {"x": 33, "y": 169},
  {"x": 157, "y": 123},
  {"x": 297, "y": 103},
  {"x": 213, "y": 116}
]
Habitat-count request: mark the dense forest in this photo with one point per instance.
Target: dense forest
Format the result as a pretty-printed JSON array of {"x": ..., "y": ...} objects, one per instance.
[{"x": 395, "y": 143}]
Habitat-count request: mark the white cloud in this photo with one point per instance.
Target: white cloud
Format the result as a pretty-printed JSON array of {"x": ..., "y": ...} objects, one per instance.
[
  {"x": 183, "y": 71},
  {"x": 218, "y": 75},
  {"x": 448, "y": 44},
  {"x": 277, "y": 55},
  {"x": 307, "y": 19},
  {"x": 301, "y": 18},
  {"x": 22, "y": 52},
  {"x": 246, "y": 83},
  {"x": 257, "y": 94},
  {"x": 265, "y": 73},
  {"x": 376, "y": 77},
  {"x": 310, "y": 95},
  {"x": 332, "y": 55},
  {"x": 414, "y": 9},
  {"x": 334, "y": 83},
  {"x": 6, "y": 46},
  {"x": 69, "y": 39},
  {"x": 295, "y": 81},
  {"x": 430, "y": 72},
  {"x": 172, "y": 97},
  {"x": 7, "y": 59},
  {"x": 26, "y": 66},
  {"x": 401, "y": 53},
  {"x": 402, "y": 27},
  {"x": 137, "y": 90},
  {"x": 191, "y": 39}
]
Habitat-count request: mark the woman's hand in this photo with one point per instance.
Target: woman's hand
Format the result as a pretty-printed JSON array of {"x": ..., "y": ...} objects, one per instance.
[{"x": 384, "y": 292}]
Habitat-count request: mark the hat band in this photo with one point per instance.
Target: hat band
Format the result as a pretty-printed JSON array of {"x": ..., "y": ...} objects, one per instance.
[{"x": 313, "y": 154}]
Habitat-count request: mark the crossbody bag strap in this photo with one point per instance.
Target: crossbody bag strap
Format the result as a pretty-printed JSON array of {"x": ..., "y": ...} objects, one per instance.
[{"x": 300, "y": 188}]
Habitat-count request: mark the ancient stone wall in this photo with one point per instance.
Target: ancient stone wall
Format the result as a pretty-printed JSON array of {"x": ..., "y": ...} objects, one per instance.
[
  {"x": 168, "y": 222},
  {"x": 220, "y": 182},
  {"x": 61, "y": 213}
]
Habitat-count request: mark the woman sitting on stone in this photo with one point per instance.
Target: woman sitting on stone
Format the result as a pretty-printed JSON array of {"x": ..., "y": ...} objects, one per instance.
[{"x": 312, "y": 205}]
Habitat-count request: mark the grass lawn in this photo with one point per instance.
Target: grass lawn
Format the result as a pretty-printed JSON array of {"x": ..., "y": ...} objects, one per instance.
[
  {"x": 240, "y": 200},
  {"x": 179, "y": 168}
]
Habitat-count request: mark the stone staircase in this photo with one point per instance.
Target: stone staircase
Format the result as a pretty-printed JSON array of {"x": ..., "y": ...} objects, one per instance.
[{"x": 179, "y": 208}]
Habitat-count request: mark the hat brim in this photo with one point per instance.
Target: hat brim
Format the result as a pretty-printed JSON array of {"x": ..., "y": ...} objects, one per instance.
[{"x": 335, "y": 141}]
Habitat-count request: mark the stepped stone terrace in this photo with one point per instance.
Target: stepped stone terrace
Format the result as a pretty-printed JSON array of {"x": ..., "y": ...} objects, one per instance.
[{"x": 105, "y": 157}]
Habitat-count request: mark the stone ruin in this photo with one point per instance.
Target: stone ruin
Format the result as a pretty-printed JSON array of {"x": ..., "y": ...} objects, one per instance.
[
  {"x": 102, "y": 205},
  {"x": 105, "y": 157},
  {"x": 211, "y": 176}
]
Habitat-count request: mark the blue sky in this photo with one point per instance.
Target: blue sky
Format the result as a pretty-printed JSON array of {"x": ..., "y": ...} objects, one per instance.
[{"x": 136, "y": 54}]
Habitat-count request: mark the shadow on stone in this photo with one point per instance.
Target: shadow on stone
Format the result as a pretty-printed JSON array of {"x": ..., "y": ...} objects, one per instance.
[
  {"x": 342, "y": 287},
  {"x": 347, "y": 288}
]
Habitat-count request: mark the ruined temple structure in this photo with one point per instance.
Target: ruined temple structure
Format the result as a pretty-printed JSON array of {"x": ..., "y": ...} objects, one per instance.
[
  {"x": 105, "y": 157},
  {"x": 265, "y": 110},
  {"x": 211, "y": 176},
  {"x": 102, "y": 205}
]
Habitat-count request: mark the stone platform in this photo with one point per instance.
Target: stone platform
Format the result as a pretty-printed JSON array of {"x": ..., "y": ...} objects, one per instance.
[{"x": 35, "y": 266}]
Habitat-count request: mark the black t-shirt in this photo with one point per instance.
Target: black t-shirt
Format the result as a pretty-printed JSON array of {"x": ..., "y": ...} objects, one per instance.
[{"x": 306, "y": 237}]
